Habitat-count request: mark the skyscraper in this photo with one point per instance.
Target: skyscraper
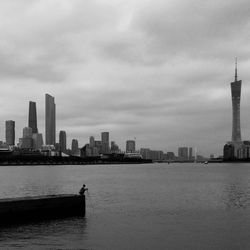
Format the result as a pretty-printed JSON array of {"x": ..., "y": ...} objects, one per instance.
[
  {"x": 62, "y": 141},
  {"x": 236, "y": 92},
  {"x": 190, "y": 153},
  {"x": 130, "y": 146},
  {"x": 183, "y": 153},
  {"x": 74, "y": 147},
  {"x": 10, "y": 132},
  {"x": 32, "y": 117},
  {"x": 50, "y": 120},
  {"x": 105, "y": 142}
]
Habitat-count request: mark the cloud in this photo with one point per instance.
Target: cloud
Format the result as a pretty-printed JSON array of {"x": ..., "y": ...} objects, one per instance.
[{"x": 155, "y": 70}]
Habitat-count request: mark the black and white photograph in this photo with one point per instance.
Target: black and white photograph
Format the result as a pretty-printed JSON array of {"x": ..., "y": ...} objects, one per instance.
[{"x": 124, "y": 124}]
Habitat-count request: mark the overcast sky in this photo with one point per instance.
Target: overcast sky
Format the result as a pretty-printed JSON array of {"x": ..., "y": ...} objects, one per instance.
[{"x": 157, "y": 70}]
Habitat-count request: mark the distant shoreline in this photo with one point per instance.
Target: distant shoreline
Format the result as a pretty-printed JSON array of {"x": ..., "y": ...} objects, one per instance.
[{"x": 71, "y": 160}]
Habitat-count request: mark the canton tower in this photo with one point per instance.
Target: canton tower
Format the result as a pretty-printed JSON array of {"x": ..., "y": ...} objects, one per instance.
[{"x": 236, "y": 91}]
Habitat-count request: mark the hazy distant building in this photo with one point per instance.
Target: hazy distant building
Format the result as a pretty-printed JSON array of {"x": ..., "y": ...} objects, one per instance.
[
  {"x": 50, "y": 120},
  {"x": 37, "y": 141},
  {"x": 32, "y": 117},
  {"x": 105, "y": 142},
  {"x": 130, "y": 146},
  {"x": 74, "y": 147},
  {"x": 27, "y": 132},
  {"x": 170, "y": 156},
  {"x": 26, "y": 142},
  {"x": 183, "y": 153},
  {"x": 190, "y": 153},
  {"x": 86, "y": 151},
  {"x": 114, "y": 147},
  {"x": 62, "y": 141},
  {"x": 10, "y": 132},
  {"x": 98, "y": 146},
  {"x": 92, "y": 141},
  {"x": 146, "y": 153}
]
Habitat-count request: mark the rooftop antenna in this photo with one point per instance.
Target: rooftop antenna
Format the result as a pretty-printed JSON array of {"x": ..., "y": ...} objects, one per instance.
[{"x": 235, "y": 76}]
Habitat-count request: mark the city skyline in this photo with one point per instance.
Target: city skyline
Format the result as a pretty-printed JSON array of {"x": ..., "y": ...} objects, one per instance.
[{"x": 144, "y": 69}]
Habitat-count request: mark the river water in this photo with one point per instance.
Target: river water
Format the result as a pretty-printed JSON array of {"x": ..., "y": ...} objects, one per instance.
[{"x": 148, "y": 206}]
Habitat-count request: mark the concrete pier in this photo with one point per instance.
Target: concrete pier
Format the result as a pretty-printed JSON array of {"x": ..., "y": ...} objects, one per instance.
[{"x": 14, "y": 210}]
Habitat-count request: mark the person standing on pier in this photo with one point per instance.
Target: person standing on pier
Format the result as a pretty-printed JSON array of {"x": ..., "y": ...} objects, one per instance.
[{"x": 83, "y": 189}]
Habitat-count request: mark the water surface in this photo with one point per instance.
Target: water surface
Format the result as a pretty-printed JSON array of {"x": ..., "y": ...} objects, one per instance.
[{"x": 149, "y": 206}]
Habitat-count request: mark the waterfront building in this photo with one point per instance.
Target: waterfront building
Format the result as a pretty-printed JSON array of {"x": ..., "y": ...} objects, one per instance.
[
  {"x": 50, "y": 120},
  {"x": 74, "y": 147},
  {"x": 27, "y": 132},
  {"x": 105, "y": 142},
  {"x": 183, "y": 153},
  {"x": 156, "y": 155},
  {"x": 170, "y": 156},
  {"x": 92, "y": 141},
  {"x": 130, "y": 146},
  {"x": 10, "y": 132},
  {"x": 32, "y": 117},
  {"x": 190, "y": 153},
  {"x": 62, "y": 141},
  {"x": 145, "y": 152},
  {"x": 26, "y": 142},
  {"x": 98, "y": 146},
  {"x": 86, "y": 151},
  {"x": 114, "y": 147},
  {"x": 37, "y": 141}
]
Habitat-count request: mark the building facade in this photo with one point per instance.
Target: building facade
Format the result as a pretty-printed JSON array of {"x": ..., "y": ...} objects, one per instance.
[
  {"x": 62, "y": 141},
  {"x": 183, "y": 153},
  {"x": 105, "y": 142},
  {"x": 50, "y": 120},
  {"x": 10, "y": 132},
  {"x": 130, "y": 146},
  {"x": 74, "y": 147},
  {"x": 32, "y": 117}
]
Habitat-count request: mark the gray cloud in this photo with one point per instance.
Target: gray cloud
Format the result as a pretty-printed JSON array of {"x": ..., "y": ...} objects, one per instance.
[{"x": 155, "y": 70}]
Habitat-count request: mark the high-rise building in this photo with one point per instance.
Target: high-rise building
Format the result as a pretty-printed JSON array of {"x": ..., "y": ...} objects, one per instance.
[
  {"x": 27, "y": 132},
  {"x": 236, "y": 92},
  {"x": 190, "y": 153},
  {"x": 74, "y": 147},
  {"x": 50, "y": 120},
  {"x": 62, "y": 141},
  {"x": 130, "y": 146},
  {"x": 114, "y": 147},
  {"x": 37, "y": 141},
  {"x": 91, "y": 141},
  {"x": 32, "y": 117},
  {"x": 26, "y": 142},
  {"x": 105, "y": 142},
  {"x": 183, "y": 153},
  {"x": 10, "y": 132}
]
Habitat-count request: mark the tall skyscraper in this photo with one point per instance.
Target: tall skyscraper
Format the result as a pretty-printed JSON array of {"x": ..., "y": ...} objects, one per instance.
[
  {"x": 50, "y": 120},
  {"x": 10, "y": 132},
  {"x": 62, "y": 141},
  {"x": 105, "y": 142},
  {"x": 130, "y": 146},
  {"x": 32, "y": 117},
  {"x": 236, "y": 92}
]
